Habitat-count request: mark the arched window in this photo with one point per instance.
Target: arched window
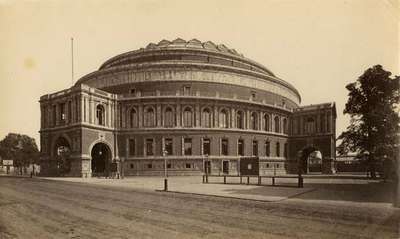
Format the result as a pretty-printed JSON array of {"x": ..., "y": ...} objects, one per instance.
[
  {"x": 169, "y": 118},
  {"x": 187, "y": 117},
  {"x": 285, "y": 128},
  {"x": 206, "y": 118},
  {"x": 277, "y": 125},
  {"x": 223, "y": 119},
  {"x": 239, "y": 120},
  {"x": 100, "y": 115},
  {"x": 254, "y": 121},
  {"x": 310, "y": 125},
  {"x": 149, "y": 120},
  {"x": 266, "y": 122},
  {"x": 133, "y": 118}
]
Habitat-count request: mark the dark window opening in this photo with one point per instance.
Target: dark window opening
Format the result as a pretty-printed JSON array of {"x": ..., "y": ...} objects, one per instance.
[
  {"x": 278, "y": 149},
  {"x": 186, "y": 90},
  {"x": 224, "y": 147},
  {"x": 187, "y": 142},
  {"x": 255, "y": 147},
  {"x": 149, "y": 147},
  {"x": 267, "y": 149},
  {"x": 188, "y": 165},
  {"x": 206, "y": 147},
  {"x": 168, "y": 145},
  {"x": 132, "y": 147},
  {"x": 240, "y": 147}
]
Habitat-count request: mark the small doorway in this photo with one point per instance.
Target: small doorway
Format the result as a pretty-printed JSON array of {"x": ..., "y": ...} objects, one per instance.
[
  {"x": 101, "y": 157},
  {"x": 225, "y": 167}
]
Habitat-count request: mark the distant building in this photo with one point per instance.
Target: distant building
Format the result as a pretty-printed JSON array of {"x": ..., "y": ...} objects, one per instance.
[{"x": 199, "y": 105}]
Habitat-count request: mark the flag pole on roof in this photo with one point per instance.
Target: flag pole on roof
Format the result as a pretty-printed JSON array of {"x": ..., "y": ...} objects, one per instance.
[{"x": 72, "y": 61}]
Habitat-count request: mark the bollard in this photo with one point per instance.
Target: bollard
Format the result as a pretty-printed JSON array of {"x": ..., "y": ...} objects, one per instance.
[
  {"x": 273, "y": 181},
  {"x": 259, "y": 180},
  {"x": 248, "y": 180},
  {"x": 300, "y": 185},
  {"x": 224, "y": 179},
  {"x": 165, "y": 184},
  {"x": 204, "y": 179},
  {"x": 240, "y": 179}
]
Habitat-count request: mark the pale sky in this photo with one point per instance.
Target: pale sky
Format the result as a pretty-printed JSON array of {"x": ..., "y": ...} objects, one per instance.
[{"x": 317, "y": 46}]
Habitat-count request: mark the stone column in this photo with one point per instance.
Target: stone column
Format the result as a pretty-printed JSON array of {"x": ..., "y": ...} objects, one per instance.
[
  {"x": 158, "y": 115},
  {"x": 216, "y": 118},
  {"x": 197, "y": 115},
  {"x": 123, "y": 107},
  {"x": 272, "y": 124},
  {"x": 233, "y": 116},
  {"x": 140, "y": 116},
  {"x": 72, "y": 118},
  {"x": 82, "y": 109},
  {"x": 178, "y": 115},
  {"x": 247, "y": 124},
  {"x": 91, "y": 110},
  {"x": 301, "y": 125}
]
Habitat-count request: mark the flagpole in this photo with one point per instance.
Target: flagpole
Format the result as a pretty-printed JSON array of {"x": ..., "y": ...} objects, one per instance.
[{"x": 72, "y": 61}]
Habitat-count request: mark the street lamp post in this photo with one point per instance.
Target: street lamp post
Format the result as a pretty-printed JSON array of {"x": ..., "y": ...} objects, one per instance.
[{"x": 165, "y": 153}]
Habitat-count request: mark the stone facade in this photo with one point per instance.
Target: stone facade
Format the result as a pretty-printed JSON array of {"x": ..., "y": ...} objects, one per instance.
[{"x": 183, "y": 105}]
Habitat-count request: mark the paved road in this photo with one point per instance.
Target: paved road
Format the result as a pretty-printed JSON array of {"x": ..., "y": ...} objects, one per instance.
[{"x": 37, "y": 208}]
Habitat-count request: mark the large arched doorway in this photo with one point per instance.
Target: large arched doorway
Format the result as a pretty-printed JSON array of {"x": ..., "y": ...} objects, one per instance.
[
  {"x": 101, "y": 157},
  {"x": 311, "y": 160},
  {"x": 62, "y": 153}
]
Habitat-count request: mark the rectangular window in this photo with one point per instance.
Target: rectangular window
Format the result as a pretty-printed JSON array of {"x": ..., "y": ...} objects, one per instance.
[
  {"x": 278, "y": 149},
  {"x": 132, "y": 147},
  {"x": 187, "y": 144},
  {"x": 186, "y": 90},
  {"x": 149, "y": 165},
  {"x": 267, "y": 148},
  {"x": 285, "y": 150},
  {"x": 133, "y": 91},
  {"x": 149, "y": 147},
  {"x": 169, "y": 165},
  {"x": 240, "y": 147},
  {"x": 62, "y": 111},
  {"x": 206, "y": 147},
  {"x": 132, "y": 165},
  {"x": 168, "y": 147},
  {"x": 255, "y": 147},
  {"x": 188, "y": 165},
  {"x": 224, "y": 147}
]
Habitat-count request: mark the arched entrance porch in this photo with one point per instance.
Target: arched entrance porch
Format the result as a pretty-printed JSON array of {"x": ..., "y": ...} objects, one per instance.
[
  {"x": 310, "y": 160},
  {"x": 101, "y": 159}
]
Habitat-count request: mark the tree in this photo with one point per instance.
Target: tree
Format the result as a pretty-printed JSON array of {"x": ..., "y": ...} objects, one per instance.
[
  {"x": 22, "y": 149},
  {"x": 373, "y": 107}
]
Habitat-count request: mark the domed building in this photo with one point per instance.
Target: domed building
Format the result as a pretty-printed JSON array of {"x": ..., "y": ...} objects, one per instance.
[{"x": 185, "y": 106}]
